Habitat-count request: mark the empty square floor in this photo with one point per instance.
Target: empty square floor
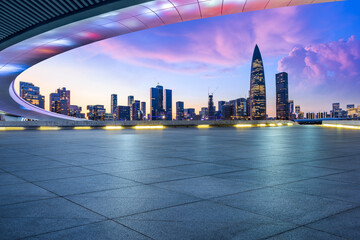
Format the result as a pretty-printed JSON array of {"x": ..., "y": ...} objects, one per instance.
[{"x": 299, "y": 182}]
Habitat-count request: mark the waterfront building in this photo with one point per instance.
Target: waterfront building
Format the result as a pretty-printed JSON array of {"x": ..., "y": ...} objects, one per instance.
[
  {"x": 211, "y": 108},
  {"x": 282, "y": 97},
  {"x": 123, "y": 113},
  {"x": 114, "y": 105},
  {"x": 130, "y": 100},
  {"x": 240, "y": 108},
  {"x": 227, "y": 111},
  {"x": 179, "y": 110},
  {"x": 96, "y": 112},
  {"x": 321, "y": 115},
  {"x": 143, "y": 110},
  {"x": 109, "y": 117},
  {"x": 168, "y": 104},
  {"x": 75, "y": 111},
  {"x": 189, "y": 113},
  {"x": 31, "y": 93},
  {"x": 297, "y": 109},
  {"x": 310, "y": 115},
  {"x": 220, "y": 104},
  {"x": 204, "y": 113},
  {"x": 156, "y": 103},
  {"x": 60, "y": 101},
  {"x": 257, "y": 87},
  {"x": 135, "y": 111}
]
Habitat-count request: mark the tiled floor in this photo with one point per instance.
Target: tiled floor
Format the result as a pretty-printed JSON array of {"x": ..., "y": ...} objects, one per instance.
[{"x": 299, "y": 182}]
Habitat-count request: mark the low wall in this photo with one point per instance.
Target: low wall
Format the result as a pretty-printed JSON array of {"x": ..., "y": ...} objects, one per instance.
[
  {"x": 174, "y": 123},
  {"x": 343, "y": 122}
]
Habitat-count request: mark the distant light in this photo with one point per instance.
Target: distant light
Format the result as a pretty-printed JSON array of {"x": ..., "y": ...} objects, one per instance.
[
  {"x": 243, "y": 125},
  {"x": 62, "y": 42},
  {"x": 82, "y": 128},
  {"x": 44, "y": 128},
  {"x": 203, "y": 126},
  {"x": 290, "y": 124},
  {"x": 279, "y": 124},
  {"x": 272, "y": 125},
  {"x": 262, "y": 125},
  {"x": 113, "y": 127},
  {"x": 341, "y": 126},
  {"x": 149, "y": 127},
  {"x": 11, "y": 128}
]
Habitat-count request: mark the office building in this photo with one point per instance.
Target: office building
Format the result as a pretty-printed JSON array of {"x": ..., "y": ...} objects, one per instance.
[
  {"x": 227, "y": 112},
  {"x": 291, "y": 106},
  {"x": 211, "y": 107},
  {"x": 60, "y": 101},
  {"x": 143, "y": 110},
  {"x": 123, "y": 113},
  {"x": 130, "y": 100},
  {"x": 220, "y": 104},
  {"x": 156, "y": 103},
  {"x": 310, "y": 115},
  {"x": 189, "y": 113},
  {"x": 204, "y": 113},
  {"x": 96, "y": 112},
  {"x": 297, "y": 109},
  {"x": 179, "y": 110},
  {"x": 31, "y": 94},
  {"x": 75, "y": 111},
  {"x": 257, "y": 87},
  {"x": 168, "y": 104},
  {"x": 282, "y": 97},
  {"x": 135, "y": 111},
  {"x": 114, "y": 105}
]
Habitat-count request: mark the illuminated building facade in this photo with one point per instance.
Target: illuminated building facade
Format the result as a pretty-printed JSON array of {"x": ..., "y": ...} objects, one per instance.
[
  {"x": 75, "y": 111},
  {"x": 257, "y": 87},
  {"x": 135, "y": 111},
  {"x": 60, "y": 101},
  {"x": 189, "y": 113},
  {"x": 31, "y": 94},
  {"x": 156, "y": 103},
  {"x": 179, "y": 110},
  {"x": 114, "y": 105},
  {"x": 143, "y": 110},
  {"x": 211, "y": 107},
  {"x": 96, "y": 112},
  {"x": 282, "y": 97}
]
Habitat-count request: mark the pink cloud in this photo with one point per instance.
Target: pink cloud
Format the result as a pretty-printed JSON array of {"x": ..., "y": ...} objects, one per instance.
[
  {"x": 336, "y": 62},
  {"x": 227, "y": 43}
]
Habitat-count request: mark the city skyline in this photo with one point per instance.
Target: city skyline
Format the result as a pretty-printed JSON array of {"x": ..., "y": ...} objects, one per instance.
[{"x": 228, "y": 71}]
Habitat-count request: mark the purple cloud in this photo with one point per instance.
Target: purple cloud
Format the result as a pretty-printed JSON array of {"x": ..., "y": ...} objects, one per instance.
[{"x": 328, "y": 64}]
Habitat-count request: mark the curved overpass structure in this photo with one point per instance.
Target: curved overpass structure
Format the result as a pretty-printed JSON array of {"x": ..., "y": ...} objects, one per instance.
[{"x": 33, "y": 31}]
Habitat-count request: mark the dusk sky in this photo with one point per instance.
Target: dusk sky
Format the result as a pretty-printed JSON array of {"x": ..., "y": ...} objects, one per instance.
[{"x": 318, "y": 45}]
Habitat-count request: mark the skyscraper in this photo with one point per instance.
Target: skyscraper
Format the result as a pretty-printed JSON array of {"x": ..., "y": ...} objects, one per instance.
[
  {"x": 75, "y": 111},
  {"x": 179, "y": 110},
  {"x": 297, "y": 109},
  {"x": 240, "y": 108},
  {"x": 60, "y": 101},
  {"x": 31, "y": 94},
  {"x": 211, "y": 107},
  {"x": 282, "y": 96},
  {"x": 123, "y": 113},
  {"x": 135, "y": 110},
  {"x": 168, "y": 104},
  {"x": 291, "y": 106},
  {"x": 220, "y": 104},
  {"x": 143, "y": 110},
  {"x": 156, "y": 103},
  {"x": 257, "y": 87},
  {"x": 96, "y": 112},
  {"x": 130, "y": 100},
  {"x": 114, "y": 105}
]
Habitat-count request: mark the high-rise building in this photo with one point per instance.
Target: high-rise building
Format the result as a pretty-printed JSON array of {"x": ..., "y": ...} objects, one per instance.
[
  {"x": 310, "y": 115},
  {"x": 297, "y": 109},
  {"x": 123, "y": 113},
  {"x": 143, "y": 110},
  {"x": 60, "y": 101},
  {"x": 336, "y": 110},
  {"x": 257, "y": 87},
  {"x": 31, "y": 94},
  {"x": 220, "y": 104},
  {"x": 189, "y": 113},
  {"x": 291, "y": 106},
  {"x": 227, "y": 111},
  {"x": 96, "y": 112},
  {"x": 179, "y": 110},
  {"x": 350, "y": 106},
  {"x": 75, "y": 111},
  {"x": 248, "y": 107},
  {"x": 114, "y": 105},
  {"x": 168, "y": 104},
  {"x": 156, "y": 103},
  {"x": 204, "y": 113},
  {"x": 130, "y": 100},
  {"x": 211, "y": 108},
  {"x": 135, "y": 110},
  {"x": 282, "y": 97},
  {"x": 240, "y": 108}
]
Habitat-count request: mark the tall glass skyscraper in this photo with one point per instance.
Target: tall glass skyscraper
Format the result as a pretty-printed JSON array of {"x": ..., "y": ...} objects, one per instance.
[
  {"x": 156, "y": 103},
  {"x": 168, "y": 104},
  {"x": 60, "y": 101},
  {"x": 211, "y": 107},
  {"x": 257, "y": 87},
  {"x": 282, "y": 97},
  {"x": 130, "y": 100},
  {"x": 179, "y": 110},
  {"x": 31, "y": 94},
  {"x": 114, "y": 105}
]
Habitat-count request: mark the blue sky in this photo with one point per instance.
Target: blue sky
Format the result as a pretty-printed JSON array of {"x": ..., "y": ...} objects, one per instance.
[{"x": 317, "y": 44}]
